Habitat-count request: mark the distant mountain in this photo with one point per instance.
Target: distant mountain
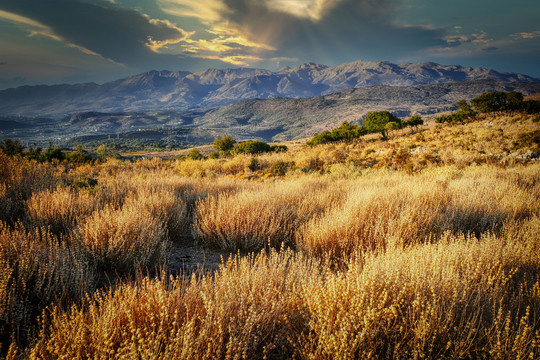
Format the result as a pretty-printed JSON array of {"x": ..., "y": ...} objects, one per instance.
[
  {"x": 180, "y": 90},
  {"x": 273, "y": 119}
]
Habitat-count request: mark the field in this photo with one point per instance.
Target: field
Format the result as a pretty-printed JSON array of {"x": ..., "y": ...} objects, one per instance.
[{"x": 421, "y": 246}]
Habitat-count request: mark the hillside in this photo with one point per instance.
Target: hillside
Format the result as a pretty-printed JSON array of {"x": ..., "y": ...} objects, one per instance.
[
  {"x": 180, "y": 90},
  {"x": 275, "y": 119}
]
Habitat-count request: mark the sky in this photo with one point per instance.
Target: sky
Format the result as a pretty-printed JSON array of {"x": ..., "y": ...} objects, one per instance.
[{"x": 71, "y": 41}]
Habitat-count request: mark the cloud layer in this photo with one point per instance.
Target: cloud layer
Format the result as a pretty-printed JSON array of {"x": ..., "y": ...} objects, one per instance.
[{"x": 197, "y": 34}]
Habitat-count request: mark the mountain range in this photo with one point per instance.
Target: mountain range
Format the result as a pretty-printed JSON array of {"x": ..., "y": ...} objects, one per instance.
[{"x": 181, "y": 90}]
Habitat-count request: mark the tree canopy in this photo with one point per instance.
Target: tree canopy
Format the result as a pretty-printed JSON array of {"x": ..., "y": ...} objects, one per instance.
[{"x": 376, "y": 121}]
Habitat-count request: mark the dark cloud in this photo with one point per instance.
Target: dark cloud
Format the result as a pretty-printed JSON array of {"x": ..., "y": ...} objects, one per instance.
[
  {"x": 115, "y": 33},
  {"x": 490, "y": 49},
  {"x": 3, "y": 63},
  {"x": 353, "y": 29}
]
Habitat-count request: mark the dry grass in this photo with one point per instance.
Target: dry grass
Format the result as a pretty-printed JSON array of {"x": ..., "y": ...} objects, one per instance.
[
  {"x": 250, "y": 220},
  {"x": 423, "y": 246},
  {"x": 399, "y": 210},
  {"x": 123, "y": 240},
  {"x": 457, "y": 298},
  {"x": 36, "y": 270}
]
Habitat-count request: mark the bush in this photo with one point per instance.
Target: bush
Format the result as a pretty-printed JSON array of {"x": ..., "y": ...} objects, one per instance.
[
  {"x": 252, "y": 147},
  {"x": 224, "y": 143},
  {"x": 346, "y": 131},
  {"x": 11, "y": 147},
  {"x": 195, "y": 154},
  {"x": 376, "y": 121}
]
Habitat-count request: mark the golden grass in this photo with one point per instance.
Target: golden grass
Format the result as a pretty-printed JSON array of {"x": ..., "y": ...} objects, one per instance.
[
  {"x": 269, "y": 214},
  {"x": 460, "y": 297},
  {"x": 36, "y": 270},
  {"x": 422, "y": 246},
  {"x": 123, "y": 240}
]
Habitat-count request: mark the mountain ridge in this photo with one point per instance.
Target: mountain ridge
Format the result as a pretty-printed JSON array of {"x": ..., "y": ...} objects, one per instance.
[{"x": 212, "y": 88}]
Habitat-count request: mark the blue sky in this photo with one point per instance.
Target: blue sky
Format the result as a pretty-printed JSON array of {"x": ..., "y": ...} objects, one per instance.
[{"x": 68, "y": 41}]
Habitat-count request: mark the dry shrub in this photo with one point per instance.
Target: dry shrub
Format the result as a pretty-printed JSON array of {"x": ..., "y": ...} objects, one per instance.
[
  {"x": 60, "y": 209},
  {"x": 268, "y": 215},
  {"x": 19, "y": 178},
  {"x": 397, "y": 210},
  {"x": 123, "y": 240},
  {"x": 249, "y": 309},
  {"x": 161, "y": 203},
  {"x": 459, "y": 298},
  {"x": 375, "y": 216},
  {"x": 35, "y": 271}
]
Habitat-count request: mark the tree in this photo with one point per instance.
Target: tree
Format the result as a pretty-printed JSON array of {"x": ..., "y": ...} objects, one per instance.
[
  {"x": 224, "y": 143},
  {"x": 489, "y": 102},
  {"x": 103, "y": 152},
  {"x": 514, "y": 101},
  {"x": 463, "y": 106},
  {"x": 11, "y": 147},
  {"x": 376, "y": 121},
  {"x": 414, "y": 121},
  {"x": 252, "y": 147}
]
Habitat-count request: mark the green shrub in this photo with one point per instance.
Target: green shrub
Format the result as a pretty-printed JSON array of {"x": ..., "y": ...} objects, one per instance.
[
  {"x": 346, "y": 131},
  {"x": 252, "y": 147},
  {"x": 224, "y": 143}
]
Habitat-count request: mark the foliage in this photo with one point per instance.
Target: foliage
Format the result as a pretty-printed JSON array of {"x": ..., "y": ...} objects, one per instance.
[
  {"x": 195, "y": 154},
  {"x": 345, "y": 131},
  {"x": 11, "y": 147},
  {"x": 252, "y": 147},
  {"x": 224, "y": 143},
  {"x": 376, "y": 121},
  {"x": 104, "y": 152},
  {"x": 501, "y": 101},
  {"x": 414, "y": 121},
  {"x": 279, "y": 148}
]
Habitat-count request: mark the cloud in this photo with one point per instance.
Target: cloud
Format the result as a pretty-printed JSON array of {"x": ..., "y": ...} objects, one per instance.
[
  {"x": 527, "y": 35},
  {"x": 490, "y": 49},
  {"x": 328, "y": 31},
  {"x": 122, "y": 35}
]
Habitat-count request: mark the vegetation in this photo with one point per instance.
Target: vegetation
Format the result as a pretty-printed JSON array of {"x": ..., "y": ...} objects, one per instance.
[
  {"x": 344, "y": 132},
  {"x": 423, "y": 245},
  {"x": 224, "y": 143},
  {"x": 252, "y": 147},
  {"x": 377, "y": 121}
]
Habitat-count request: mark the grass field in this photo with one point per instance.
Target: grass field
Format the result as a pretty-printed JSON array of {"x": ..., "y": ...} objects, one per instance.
[{"x": 421, "y": 246}]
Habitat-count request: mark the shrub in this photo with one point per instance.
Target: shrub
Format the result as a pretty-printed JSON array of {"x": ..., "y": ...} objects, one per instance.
[
  {"x": 346, "y": 131},
  {"x": 36, "y": 270},
  {"x": 195, "y": 154},
  {"x": 224, "y": 143},
  {"x": 376, "y": 121},
  {"x": 123, "y": 240},
  {"x": 252, "y": 147},
  {"x": 11, "y": 147}
]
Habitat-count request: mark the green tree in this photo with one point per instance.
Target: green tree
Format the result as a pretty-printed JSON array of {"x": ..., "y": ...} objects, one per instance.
[
  {"x": 11, "y": 147},
  {"x": 376, "y": 121},
  {"x": 514, "y": 101},
  {"x": 414, "y": 121},
  {"x": 54, "y": 152},
  {"x": 489, "y": 102},
  {"x": 103, "y": 152},
  {"x": 224, "y": 143},
  {"x": 252, "y": 147},
  {"x": 463, "y": 106}
]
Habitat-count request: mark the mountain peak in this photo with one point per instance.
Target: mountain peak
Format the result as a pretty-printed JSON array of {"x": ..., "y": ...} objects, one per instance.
[{"x": 217, "y": 87}]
